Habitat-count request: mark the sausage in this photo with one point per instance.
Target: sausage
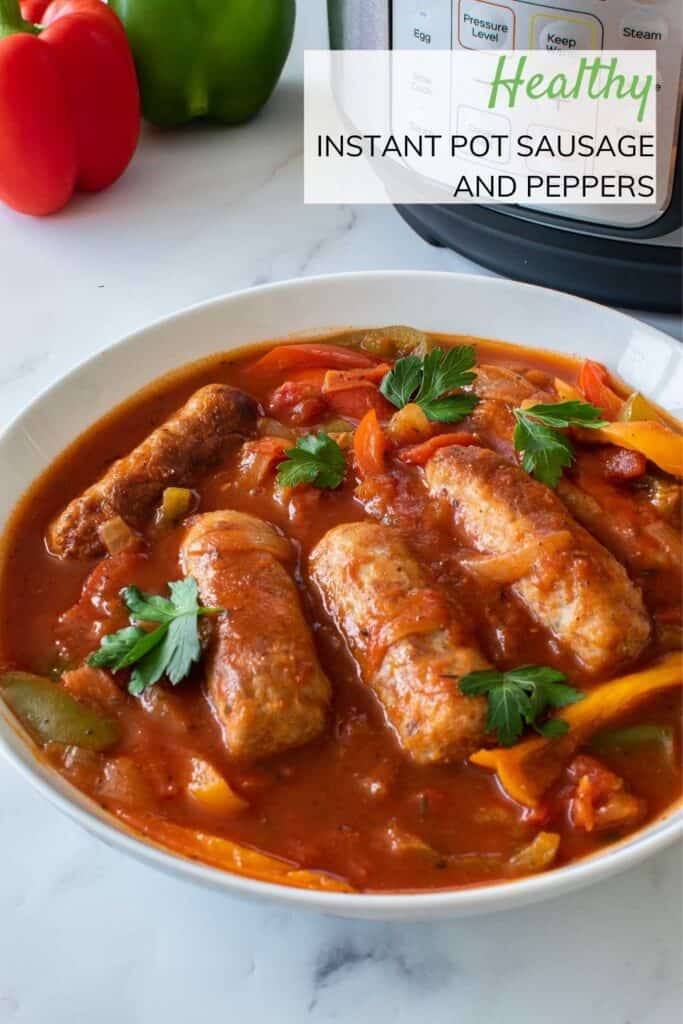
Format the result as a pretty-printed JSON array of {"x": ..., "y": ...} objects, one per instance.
[
  {"x": 577, "y": 590},
  {"x": 264, "y": 681},
  {"x": 177, "y": 453},
  {"x": 404, "y": 638},
  {"x": 623, "y": 519}
]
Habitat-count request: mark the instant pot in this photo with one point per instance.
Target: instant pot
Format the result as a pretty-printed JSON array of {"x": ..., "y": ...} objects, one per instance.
[{"x": 622, "y": 255}]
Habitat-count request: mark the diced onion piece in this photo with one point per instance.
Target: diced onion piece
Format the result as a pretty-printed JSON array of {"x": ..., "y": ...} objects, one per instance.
[
  {"x": 116, "y": 535},
  {"x": 664, "y": 495},
  {"x": 409, "y": 425},
  {"x": 507, "y": 569},
  {"x": 175, "y": 504},
  {"x": 400, "y": 841},
  {"x": 349, "y": 380},
  {"x": 538, "y": 855},
  {"x": 124, "y": 784},
  {"x": 224, "y": 854},
  {"x": 668, "y": 538},
  {"x": 337, "y": 426},
  {"x": 343, "y": 439},
  {"x": 526, "y": 770},
  {"x": 269, "y": 427},
  {"x": 211, "y": 791}
]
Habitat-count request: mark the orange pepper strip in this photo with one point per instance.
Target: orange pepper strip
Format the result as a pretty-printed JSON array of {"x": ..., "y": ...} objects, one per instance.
[
  {"x": 418, "y": 454},
  {"x": 594, "y": 382},
  {"x": 567, "y": 392},
  {"x": 369, "y": 445},
  {"x": 526, "y": 770},
  {"x": 224, "y": 854},
  {"x": 287, "y": 357}
]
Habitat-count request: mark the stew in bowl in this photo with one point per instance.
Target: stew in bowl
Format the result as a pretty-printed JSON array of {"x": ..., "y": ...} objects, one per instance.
[{"x": 383, "y": 611}]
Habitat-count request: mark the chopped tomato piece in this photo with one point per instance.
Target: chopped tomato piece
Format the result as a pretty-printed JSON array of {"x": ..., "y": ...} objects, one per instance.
[
  {"x": 594, "y": 382},
  {"x": 259, "y": 458},
  {"x": 620, "y": 464},
  {"x": 286, "y": 357},
  {"x": 418, "y": 454},
  {"x": 600, "y": 800},
  {"x": 369, "y": 445},
  {"x": 299, "y": 402}
]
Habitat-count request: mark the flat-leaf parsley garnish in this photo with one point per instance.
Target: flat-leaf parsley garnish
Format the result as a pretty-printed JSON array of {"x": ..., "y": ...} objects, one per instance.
[
  {"x": 428, "y": 381},
  {"x": 519, "y": 697},
  {"x": 546, "y": 452},
  {"x": 315, "y": 459},
  {"x": 171, "y": 649}
]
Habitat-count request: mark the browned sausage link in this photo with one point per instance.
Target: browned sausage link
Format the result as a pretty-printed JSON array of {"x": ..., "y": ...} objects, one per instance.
[
  {"x": 176, "y": 453},
  {"x": 401, "y": 631},
  {"x": 577, "y": 591},
  {"x": 622, "y": 518},
  {"x": 263, "y": 676}
]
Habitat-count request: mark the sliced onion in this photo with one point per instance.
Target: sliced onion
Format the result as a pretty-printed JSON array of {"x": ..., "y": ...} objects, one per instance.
[
  {"x": 538, "y": 855},
  {"x": 116, "y": 535},
  {"x": 507, "y": 569},
  {"x": 666, "y": 536}
]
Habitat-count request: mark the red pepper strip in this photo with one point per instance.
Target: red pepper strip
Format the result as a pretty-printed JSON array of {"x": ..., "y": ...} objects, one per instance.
[
  {"x": 369, "y": 445},
  {"x": 286, "y": 357},
  {"x": 69, "y": 104},
  {"x": 355, "y": 404},
  {"x": 594, "y": 383},
  {"x": 419, "y": 454}
]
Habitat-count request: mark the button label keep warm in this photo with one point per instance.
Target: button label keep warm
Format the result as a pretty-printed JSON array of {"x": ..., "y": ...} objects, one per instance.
[{"x": 563, "y": 31}]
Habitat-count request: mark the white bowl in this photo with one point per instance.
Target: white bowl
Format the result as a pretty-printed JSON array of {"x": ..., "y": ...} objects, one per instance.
[{"x": 479, "y": 306}]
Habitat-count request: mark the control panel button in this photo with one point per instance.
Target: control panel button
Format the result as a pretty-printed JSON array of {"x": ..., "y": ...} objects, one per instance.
[
  {"x": 484, "y": 25},
  {"x": 642, "y": 28},
  {"x": 422, "y": 24},
  {"x": 564, "y": 31}
]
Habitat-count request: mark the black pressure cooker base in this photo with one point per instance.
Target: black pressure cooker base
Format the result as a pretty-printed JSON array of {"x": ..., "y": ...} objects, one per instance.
[{"x": 612, "y": 271}]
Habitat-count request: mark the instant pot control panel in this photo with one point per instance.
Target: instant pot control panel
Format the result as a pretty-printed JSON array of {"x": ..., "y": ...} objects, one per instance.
[{"x": 570, "y": 24}]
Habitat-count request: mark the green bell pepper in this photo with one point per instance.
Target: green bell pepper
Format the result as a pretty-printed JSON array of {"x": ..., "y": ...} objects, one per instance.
[
  {"x": 53, "y": 716},
  {"x": 213, "y": 59}
]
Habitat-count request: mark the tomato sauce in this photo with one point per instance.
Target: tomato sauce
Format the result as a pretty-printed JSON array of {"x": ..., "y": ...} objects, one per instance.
[{"x": 349, "y": 804}]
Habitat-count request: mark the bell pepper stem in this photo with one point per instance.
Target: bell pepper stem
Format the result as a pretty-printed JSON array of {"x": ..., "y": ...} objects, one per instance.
[{"x": 11, "y": 21}]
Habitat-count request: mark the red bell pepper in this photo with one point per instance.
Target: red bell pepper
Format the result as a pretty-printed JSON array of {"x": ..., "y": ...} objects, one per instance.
[
  {"x": 69, "y": 103},
  {"x": 594, "y": 382}
]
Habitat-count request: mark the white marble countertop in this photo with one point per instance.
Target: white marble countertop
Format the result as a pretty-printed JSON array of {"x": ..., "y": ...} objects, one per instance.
[{"x": 88, "y": 935}]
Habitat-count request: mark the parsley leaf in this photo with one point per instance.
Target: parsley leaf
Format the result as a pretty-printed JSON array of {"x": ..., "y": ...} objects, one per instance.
[
  {"x": 402, "y": 381},
  {"x": 517, "y": 698},
  {"x": 171, "y": 649},
  {"x": 546, "y": 452},
  {"x": 315, "y": 459},
  {"x": 429, "y": 380}
]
